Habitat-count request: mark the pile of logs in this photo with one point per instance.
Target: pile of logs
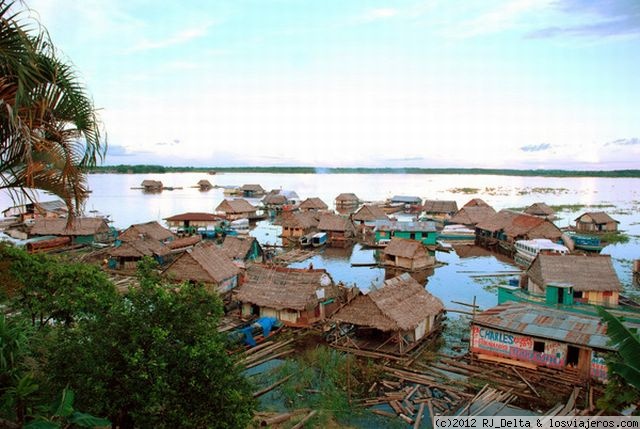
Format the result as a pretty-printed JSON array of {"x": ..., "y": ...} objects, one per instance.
[{"x": 265, "y": 352}]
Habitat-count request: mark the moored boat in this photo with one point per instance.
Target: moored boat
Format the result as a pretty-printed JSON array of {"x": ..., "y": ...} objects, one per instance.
[
  {"x": 527, "y": 250},
  {"x": 319, "y": 239}
]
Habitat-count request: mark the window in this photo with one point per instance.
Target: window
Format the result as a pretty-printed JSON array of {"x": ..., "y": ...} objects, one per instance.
[
  {"x": 577, "y": 294},
  {"x": 538, "y": 346},
  {"x": 607, "y": 293}
]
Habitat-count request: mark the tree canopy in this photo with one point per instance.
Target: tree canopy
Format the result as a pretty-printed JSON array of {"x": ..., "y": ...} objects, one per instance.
[{"x": 49, "y": 131}]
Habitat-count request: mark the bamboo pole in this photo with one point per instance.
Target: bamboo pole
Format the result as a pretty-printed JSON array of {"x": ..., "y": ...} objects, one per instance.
[
  {"x": 271, "y": 387},
  {"x": 301, "y": 423},
  {"x": 419, "y": 416}
]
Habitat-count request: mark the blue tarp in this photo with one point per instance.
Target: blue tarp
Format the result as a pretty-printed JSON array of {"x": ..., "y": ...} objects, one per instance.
[{"x": 267, "y": 324}]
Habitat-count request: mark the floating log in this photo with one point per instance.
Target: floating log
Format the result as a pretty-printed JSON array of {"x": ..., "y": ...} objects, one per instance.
[
  {"x": 419, "y": 416},
  {"x": 280, "y": 418},
  {"x": 300, "y": 424},
  {"x": 271, "y": 387}
]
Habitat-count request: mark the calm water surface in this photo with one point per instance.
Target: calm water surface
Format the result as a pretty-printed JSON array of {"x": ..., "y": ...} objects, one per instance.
[{"x": 458, "y": 279}]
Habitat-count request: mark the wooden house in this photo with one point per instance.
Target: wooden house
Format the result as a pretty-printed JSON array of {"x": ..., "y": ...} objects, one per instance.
[
  {"x": 37, "y": 210},
  {"x": 409, "y": 203},
  {"x": 505, "y": 227},
  {"x": 471, "y": 215},
  {"x": 440, "y": 209},
  {"x": 83, "y": 230},
  {"x": 596, "y": 222},
  {"x": 127, "y": 254},
  {"x": 313, "y": 204},
  {"x": 152, "y": 230},
  {"x": 339, "y": 229},
  {"x": 205, "y": 264},
  {"x": 151, "y": 185},
  {"x": 295, "y": 225},
  {"x": 391, "y": 319},
  {"x": 204, "y": 185},
  {"x": 297, "y": 297},
  {"x": 347, "y": 203},
  {"x": 252, "y": 191},
  {"x": 368, "y": 214},
  {"x": 423, "y": 232},
  {"x": 183, "y": 243},
  {"x": 243, "y": 249},
  {"x": 535, "y": 335},
  {"x": 236, "y": 209},
  {"x": 405, "y": 254},
  {"x": 570, "y": 279},
  {"x": 192, "y": 222},
  {"x": 541, "y": 210},
  {"x": 274, "y": 201}
]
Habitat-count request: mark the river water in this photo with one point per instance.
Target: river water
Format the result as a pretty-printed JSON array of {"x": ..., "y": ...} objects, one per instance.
[{"x": 456, "y": 279}]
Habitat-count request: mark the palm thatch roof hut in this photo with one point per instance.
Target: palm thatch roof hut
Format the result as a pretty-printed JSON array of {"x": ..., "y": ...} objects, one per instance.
[
  {"x": 236, "y": 209},
  {"x": 393, "y": 318},
  {"x": 130, "y": 252},
  {"x": 596, "y": 222},
  {"x": 340, "y": 230},
  {"x": 83, "y": 230},
  {"x": 407, "y": 254},
  {"x": 541, "y": 210},
  {"x": 472, "y": 215},
  {"x": 313, "y": 204},
  {"x": 296, "y": 225},
  {"x": 151, "y": 230},
  {"x": 242, "y": 248}
]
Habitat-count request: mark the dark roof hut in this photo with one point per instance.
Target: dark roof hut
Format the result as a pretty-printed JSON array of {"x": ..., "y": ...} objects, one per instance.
[
  {"x": 541, "y": 210},
  {"x": 596, "y": 222},
  {"x": 149, "y": 230},
  {"x": 204, "y": 185},
  {"x": 313, "y": 204},
  {"x": 440, "y": 207},
  {"x": 472, "y": 215},
  {"x": 370, "y": 213},
  {"x": 406, "y": 254}
]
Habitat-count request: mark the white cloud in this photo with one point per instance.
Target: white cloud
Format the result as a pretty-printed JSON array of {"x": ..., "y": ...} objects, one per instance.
[{"x": 178, "y": 38}]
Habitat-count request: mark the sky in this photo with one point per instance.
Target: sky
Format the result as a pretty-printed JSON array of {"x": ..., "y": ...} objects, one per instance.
[{"x": 402, "y": 83}]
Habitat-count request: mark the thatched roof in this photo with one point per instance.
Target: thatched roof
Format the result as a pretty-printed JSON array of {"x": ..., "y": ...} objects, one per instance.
[
  {"x": 334, "y": 222},
  {"x": 147, "y": 183},
  {"x": 539, "y": 209},
  {"x": 183, "y": 242},
  {"x": 476, "y": 202},
  {"x": 235, "y": 206},
  {"x": 404, "y": 248},
  {"x": 205, "y": 263},
  {"x": 275, "y": 199},
  {"x": 515, "y": 224},
  {"x": 148, "y": 229},
  {"x": 399, "y": 305},
  {"x": 237, "y": 247},
  {"x": 599, "y": 218},
  {"x": 313, "y": 203},
  {"x": 438, "y": 206},
  {"x": 139, "y": 248},
  {"x": 252, "y": 188},
  {"x": 368, "y": 213},
  {"x": 303, "y": 220},
  {"x": 472, "y": 215},
  {"x": 585, "y": 273},
  {"x": 193, "y": 216},
  {"x": 347, "y": 197},
  {"x": 81, "y": 226},
  {"x": 281, "y": 288},
  {"x": 204, "y": 183}
]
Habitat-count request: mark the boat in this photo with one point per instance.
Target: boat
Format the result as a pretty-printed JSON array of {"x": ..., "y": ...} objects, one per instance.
[
  {"x": 527, "y": 250},
  {"x": 319, "y": 239},
  {"x": 586, "y": 242},
  {"x": 306, "y": 240},
  {"x": 457, "y": 232},
  {"x": 240, "y": 226}
]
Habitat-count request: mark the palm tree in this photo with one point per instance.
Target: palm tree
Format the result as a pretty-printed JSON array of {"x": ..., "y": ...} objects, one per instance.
[
  {"x": 627, "y": 342},
  {"x": 49, "y": 131}
]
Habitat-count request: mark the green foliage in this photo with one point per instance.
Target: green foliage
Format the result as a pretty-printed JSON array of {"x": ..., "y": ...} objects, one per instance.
[
  {"x": 62, "y": 414},
  {"x": 50, "y": 290},
  {"x": 627, "y": 342},
  {"x": 49, "y": 131},
  {"x": 614, "y": 237},
  {"x": 154, "y": 359}
]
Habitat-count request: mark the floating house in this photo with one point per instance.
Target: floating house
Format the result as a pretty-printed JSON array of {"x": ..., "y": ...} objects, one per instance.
[
  {"x": 505, "y": 227},
  {"x": 37, "y": 210},
  {"x": 297, "y": 297},
  {"x": 439, "y": 209},
  {"x": 193, "y": 222},
  {"x": 472, "y": 215},
  {"x": 205, "y": 264},
  {"x": 596, "y": 222},
  {"x": 368, "y": 215},
  {"x": 236, "y": 209},
  {"x": 424, "y": 232},
  {"x": 151, "y": 185},
  {"x": 573, "y": 279},
  {"x": 295, "y": 225},
  {"x": 152, "y": 230},
  {"x": 204, "y": 185},
  {"x": 83, "y": 230},
  {"x": 340, "y": 230},
  {"x": 274, "y": 201},
  {"x": 408, "y": 255},
  {"x": 541, "y": 210},
  {"x": 127, "y": 254},
  {"x": 347, "y": 202},
  {"x": 408, "y": 202},
  {"x": 313, "y": 204},
  {"x": 243, "y": 249},
  {"x": 536, "y": 335},
  {"x": 392, "y": 319},
  {"x": 252, "y": 191}
]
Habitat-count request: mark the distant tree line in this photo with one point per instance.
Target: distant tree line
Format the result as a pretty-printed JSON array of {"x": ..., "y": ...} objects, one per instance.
[{"x": 146, "y": 169}]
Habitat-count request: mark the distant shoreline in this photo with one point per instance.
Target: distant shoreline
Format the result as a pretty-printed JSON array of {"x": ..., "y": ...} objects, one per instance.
[{"x": 159, "y": 169}]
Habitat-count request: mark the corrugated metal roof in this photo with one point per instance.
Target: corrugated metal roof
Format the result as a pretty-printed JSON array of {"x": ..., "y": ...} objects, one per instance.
[{"x": 548, "y": 323}]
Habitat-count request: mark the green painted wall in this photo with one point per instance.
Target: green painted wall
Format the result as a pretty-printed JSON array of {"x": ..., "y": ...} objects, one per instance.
[{"x": 426, "y": 237}]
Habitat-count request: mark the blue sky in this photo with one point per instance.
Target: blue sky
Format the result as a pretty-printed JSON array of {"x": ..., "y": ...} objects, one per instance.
[{"x": 436, "y": 83}]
